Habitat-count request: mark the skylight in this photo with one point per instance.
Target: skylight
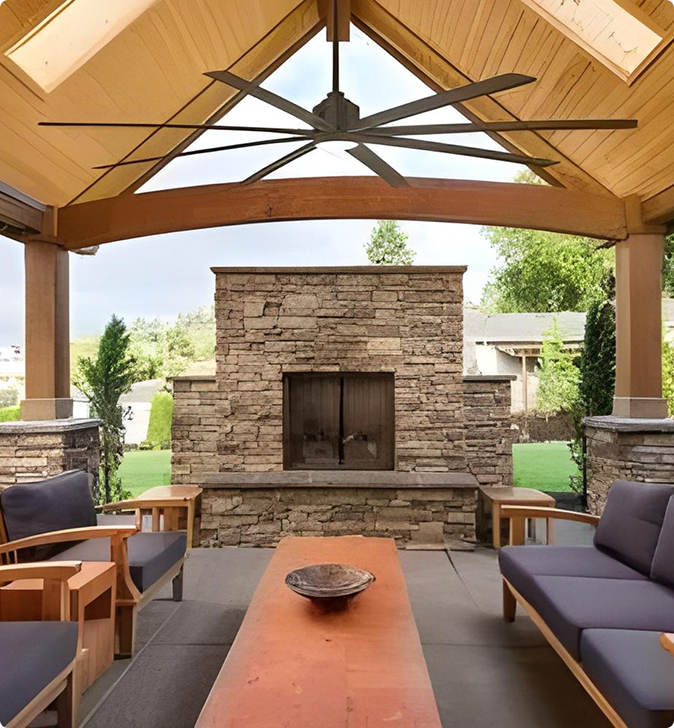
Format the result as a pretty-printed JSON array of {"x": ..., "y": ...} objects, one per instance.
[
  {"x": 65, "y": 40},
  {"x": 615, "y": 32}
]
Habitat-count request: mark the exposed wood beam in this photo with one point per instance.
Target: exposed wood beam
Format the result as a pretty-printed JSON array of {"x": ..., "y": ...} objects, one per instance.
[
  {"x": 439, "y": 74},
  {"x": 19, "y": 213},
  {"x": 485, "y": 203},
  {"x": 343, "y": 18},
  {"x": 212, "y": 102},
  {"x": 660, "y": 208}
]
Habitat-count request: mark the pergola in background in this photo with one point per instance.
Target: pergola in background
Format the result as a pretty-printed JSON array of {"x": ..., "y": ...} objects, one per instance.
[{"x": 147, "y": 65}]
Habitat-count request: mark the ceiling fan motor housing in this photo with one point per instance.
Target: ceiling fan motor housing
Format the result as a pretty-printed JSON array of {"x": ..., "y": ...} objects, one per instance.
[{"x": 337, "y": 110}]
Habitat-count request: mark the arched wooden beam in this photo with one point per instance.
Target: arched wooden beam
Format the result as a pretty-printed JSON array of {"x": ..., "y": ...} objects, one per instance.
[{"x": 484, "y": 203}]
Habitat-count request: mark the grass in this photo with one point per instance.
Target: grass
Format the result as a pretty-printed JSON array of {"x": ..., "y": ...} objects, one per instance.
[
  {"x": 543, "y": 465},
  {"x": 144, "y": 469}
]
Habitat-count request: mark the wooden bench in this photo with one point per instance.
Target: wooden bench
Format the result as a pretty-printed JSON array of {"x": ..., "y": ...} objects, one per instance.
[{"x": 293, "y": 664}]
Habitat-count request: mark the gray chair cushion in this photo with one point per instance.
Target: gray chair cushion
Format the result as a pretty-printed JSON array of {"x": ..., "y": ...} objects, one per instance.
[
  {"x": 633, "y": 673},
  {"x": 32, "y": 654},
  {"x": 519, "y": 563},
  {"x": 54, "y": 504},
  {"x": 630, "y": 525},
  {"x": 662, "y": 569},
  {"x": 151, "y": 555},
  {"x": 570, "y": 604}
]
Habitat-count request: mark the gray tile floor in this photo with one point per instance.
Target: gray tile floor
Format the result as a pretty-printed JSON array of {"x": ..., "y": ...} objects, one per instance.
[{"x": 485, "y": 673}]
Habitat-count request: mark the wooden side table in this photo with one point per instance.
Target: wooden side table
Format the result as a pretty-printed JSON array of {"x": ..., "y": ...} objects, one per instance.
[
  {"x": 92, "y": 606},
  {"x": 171, "y": 508},
  {"x": 492, "y": 498}
]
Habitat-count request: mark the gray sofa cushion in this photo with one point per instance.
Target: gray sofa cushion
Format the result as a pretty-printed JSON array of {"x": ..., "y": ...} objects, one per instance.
[
  {"x": 662, "y": 569},
  {"x": 151, "y": 555},
  {"x": 32, "y": 654},
  {"x": 630, "y": 525},
  {"x": 633, "y": 673},
  {"x": 570, "y": 604},
  {"x": 519, "y": 563},
  {"x": 54, "y": 504}
]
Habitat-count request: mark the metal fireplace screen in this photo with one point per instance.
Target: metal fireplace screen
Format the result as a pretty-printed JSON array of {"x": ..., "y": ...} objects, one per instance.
[{"x": 341, "y": 421}]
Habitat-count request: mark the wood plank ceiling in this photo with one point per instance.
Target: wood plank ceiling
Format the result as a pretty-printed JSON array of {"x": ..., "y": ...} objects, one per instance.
[{"x": 152, "y": 72}]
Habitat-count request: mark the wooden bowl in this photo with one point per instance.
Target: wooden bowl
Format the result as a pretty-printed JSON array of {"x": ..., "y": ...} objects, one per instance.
[{"x": 329, "y": 581}]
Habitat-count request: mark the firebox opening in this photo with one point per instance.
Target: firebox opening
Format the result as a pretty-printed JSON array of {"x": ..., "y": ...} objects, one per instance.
[{"x": 338, "y": 421}]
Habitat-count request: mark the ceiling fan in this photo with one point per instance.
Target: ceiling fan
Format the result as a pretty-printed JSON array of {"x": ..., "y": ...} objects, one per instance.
[{"x": 337, "y": 119}]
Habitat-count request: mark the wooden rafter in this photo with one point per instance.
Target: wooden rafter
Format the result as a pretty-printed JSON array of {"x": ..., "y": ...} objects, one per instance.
[
  {"x": 485, "y": 203},
  {"x": 439, "y": 73}
]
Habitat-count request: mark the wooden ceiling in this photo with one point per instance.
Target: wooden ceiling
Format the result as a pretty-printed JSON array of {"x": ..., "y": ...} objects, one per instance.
[{"x": 152, "y": 71}]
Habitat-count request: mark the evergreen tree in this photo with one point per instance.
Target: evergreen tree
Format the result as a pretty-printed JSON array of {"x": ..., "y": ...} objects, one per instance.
[
  {"x": 104, "y": 379},
  {"x": 388, "y": 245}
]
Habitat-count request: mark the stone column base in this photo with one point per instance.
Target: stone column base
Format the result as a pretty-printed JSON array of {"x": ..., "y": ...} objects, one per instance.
[
  {"x": 640, "y": 407},
  {"x": 31, "y": 451},
  {"x": 33, "y": 410},
  {"x": 627, "y": 449}
]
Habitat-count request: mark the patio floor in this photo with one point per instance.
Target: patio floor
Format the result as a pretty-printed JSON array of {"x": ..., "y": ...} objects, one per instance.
[{"x": 485, "y": 672}]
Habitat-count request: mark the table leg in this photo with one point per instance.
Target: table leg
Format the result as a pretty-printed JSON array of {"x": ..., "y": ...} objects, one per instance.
[
  {"x": 517, "y": 531},
  {"x": 496, "y": 525}
]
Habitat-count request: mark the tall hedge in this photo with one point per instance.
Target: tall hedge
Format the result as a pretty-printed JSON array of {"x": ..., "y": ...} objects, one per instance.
[
  {"x": 597, "y": 364},
  {"x": 161, "y": 415}
]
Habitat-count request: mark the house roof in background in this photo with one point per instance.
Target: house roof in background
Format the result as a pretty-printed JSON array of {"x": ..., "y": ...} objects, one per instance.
[{"x": 501, "y": 328}]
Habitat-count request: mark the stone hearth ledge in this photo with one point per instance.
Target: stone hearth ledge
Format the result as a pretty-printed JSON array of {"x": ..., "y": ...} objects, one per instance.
[{"x": 337, "y": 479}]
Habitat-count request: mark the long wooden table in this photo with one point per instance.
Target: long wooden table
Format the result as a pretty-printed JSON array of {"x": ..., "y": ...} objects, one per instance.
[{"x": 293, "y": 665}]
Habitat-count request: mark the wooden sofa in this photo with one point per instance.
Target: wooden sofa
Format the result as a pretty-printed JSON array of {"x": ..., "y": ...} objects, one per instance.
[
  {"x": 37, "y": 659},
  {"x": 55, "y": 519},
  {"x": 604, "y": 608}
]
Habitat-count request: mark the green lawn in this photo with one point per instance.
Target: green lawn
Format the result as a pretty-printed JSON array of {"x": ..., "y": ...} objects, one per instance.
[
  {"x": 543, "y": 465},
  {"x": 143, "y": 469}
]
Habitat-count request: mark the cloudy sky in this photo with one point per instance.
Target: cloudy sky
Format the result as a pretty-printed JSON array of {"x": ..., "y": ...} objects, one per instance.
[{"x": 166, "y": 274}]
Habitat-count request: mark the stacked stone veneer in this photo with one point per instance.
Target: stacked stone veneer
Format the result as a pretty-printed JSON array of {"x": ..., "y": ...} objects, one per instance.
[
  {"x": 408, "y": 321},
  {"x": 629, "y": 449},
  {"x": 32, "y": 451}
]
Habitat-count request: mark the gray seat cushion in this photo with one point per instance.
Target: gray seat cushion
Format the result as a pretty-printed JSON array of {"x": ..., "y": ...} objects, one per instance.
[
  {"x": 630, "y": 525},
  {"x": 519, "y": 563},
  {"x": 32, "y": 654},
  {"x": 570, "y": 604},
  {"x": 633, "y": 673},
  {"x": 151, "y": 555},
  {"x": 662, "y": 569},
  {"x": 54, "y": 504}
]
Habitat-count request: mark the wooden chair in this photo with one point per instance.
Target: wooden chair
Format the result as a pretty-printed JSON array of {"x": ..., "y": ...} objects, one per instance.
[
  {"x": 37, "y": 659},
  {"x": 146, "y": 562}
]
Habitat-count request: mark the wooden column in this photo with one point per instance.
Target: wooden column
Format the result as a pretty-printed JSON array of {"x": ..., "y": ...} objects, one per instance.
[
  {"x": 47, "y": 348},
  {"x": 638, "y": 391}
]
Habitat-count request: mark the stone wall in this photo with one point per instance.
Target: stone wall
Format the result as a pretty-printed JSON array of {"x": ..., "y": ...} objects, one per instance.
[
  {"x": 261, "y": 511},
  {"x": 488, "y": 428},
  {"x": 629, "y": 449},
  {"x": 405, "y": 320},
  {"x": 32, "y": 451}
]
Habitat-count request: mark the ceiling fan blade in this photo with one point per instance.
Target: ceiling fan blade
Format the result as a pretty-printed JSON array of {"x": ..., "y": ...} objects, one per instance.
[
  {"x": 296, "y": 154},
  {"x": 194, "y": 152},
  {"x": 547, "y": 125},
  {"x": 429, "y": 146},
  {"x": 367, "y": 157},
  {"x": 446, "y": 98},
  {"x": 168, "y": 125},
  {"x": 271, "y": 98}
]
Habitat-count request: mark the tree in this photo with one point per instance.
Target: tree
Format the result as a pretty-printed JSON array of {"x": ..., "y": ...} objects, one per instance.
[
  {"x": 388, "y": 245},
  {"x": 668, "y": 374},
  {"x": 558, "y": 375},
  {"x": 104, "y": 379},
  {"x": 668, "y": 267},
  {"x": 544, "y": 272}
]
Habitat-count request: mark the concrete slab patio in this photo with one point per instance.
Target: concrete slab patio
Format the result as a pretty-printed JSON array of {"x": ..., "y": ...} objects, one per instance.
[{"x": 485, "y": 673}]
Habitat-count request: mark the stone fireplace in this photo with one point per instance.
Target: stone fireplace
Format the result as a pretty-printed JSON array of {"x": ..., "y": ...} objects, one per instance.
[{"x": 339, "y": 406}]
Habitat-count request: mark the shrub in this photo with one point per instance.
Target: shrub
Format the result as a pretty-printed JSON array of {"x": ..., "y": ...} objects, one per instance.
[
  {"x": 9, "y": 397},
  {"x": 159, "y": 429},
  {"x": 10, "y": 414}
]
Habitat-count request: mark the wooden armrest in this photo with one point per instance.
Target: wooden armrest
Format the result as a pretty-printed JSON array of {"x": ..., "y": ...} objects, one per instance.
[
  {"x": 57, "y": 570},
  {"x": 540, "y": 512},
  {"x": 135, "y": 503},
  {"x": 667, "y": 642},
  {"x": 70, "y": 534}
]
